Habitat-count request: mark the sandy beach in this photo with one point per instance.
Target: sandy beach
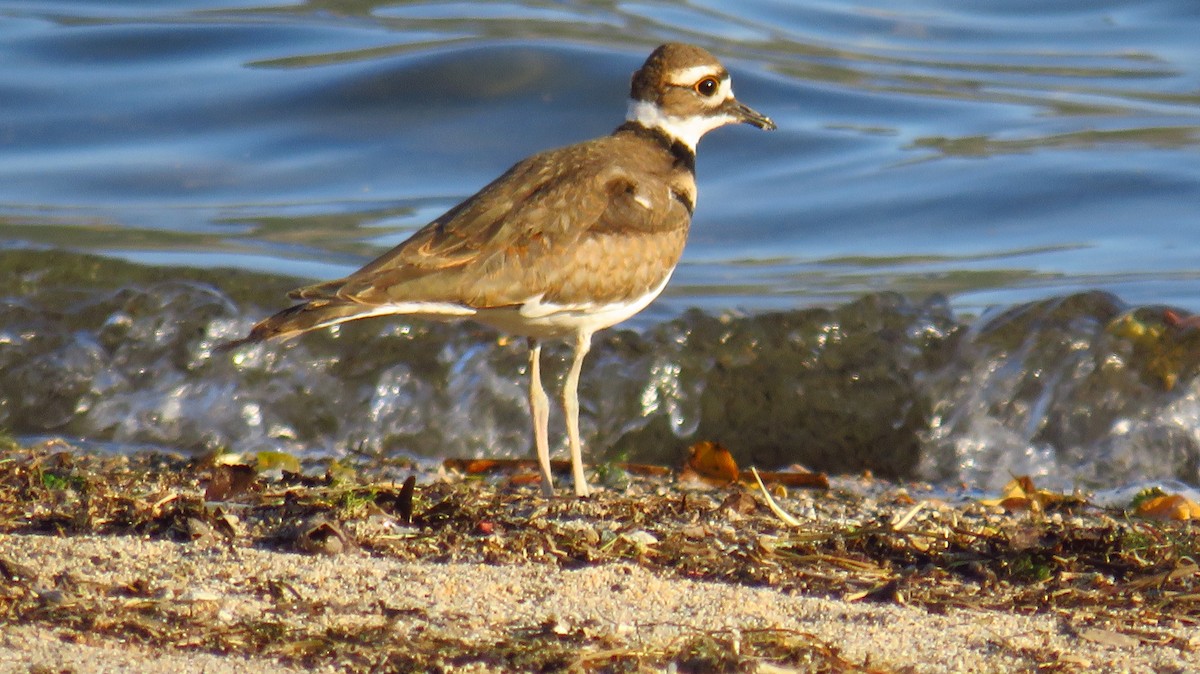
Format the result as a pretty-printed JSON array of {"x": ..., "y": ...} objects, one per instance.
[
  {"x": 121, "y": 564},
  {"x": 594, "y": 612}
]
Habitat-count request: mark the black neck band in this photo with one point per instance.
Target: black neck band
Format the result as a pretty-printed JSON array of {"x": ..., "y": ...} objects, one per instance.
[{"x": 683, "y": 154}]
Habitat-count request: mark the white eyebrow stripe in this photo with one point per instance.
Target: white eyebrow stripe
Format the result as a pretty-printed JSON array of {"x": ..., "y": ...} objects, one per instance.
[{"x": 689, "y": 76}]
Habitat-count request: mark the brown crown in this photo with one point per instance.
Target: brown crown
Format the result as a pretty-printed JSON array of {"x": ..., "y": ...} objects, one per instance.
[{"x": 648, "y": 82}]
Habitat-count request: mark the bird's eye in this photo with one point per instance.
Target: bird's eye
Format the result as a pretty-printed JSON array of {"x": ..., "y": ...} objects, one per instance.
[{"x": 707, "y": 86}]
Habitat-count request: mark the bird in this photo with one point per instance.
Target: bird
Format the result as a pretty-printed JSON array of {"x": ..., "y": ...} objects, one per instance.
[{"x": 563, "y": 244}]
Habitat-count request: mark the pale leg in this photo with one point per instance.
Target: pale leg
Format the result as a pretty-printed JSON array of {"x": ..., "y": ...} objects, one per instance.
[
  {"x": 539, "y": 409},
  {"x": 583, "y": 342}
]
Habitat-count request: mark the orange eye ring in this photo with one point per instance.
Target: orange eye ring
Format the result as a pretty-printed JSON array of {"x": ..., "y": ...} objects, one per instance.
[{"x": 707, "y": 86}]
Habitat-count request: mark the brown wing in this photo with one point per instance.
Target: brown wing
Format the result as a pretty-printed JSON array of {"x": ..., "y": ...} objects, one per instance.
[{"x": 500, "y": 247}]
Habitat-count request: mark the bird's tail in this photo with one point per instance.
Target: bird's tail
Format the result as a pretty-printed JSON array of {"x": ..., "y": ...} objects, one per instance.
[{"x": 298, "y": 320}]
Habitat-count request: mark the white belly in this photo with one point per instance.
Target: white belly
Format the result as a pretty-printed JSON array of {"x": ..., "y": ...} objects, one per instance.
[{"x": 540, "y": 319}]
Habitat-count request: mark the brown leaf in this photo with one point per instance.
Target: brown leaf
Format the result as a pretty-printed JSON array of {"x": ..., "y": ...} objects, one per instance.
[
  {"x": 712, "y": 463},
  {"x": 493, "y": 466},
  {"x": 793, "y": 478},
  {"x": 646, "y": 469},
  {"x": 1021, "y": 494},
  {"x": 229, "y": 481},
  {"x": 525, "y": 479},
  {"x": 398, "y": 502},
  {"x": 404, "y": 503},
  {"x": 1169, "y": 507}
]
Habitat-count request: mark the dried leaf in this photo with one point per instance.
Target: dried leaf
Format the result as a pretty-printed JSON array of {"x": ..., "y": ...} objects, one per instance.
[
  {"x": 493, "y": 466},
  {"x": 526, "y": 479},
  {"x": 1021, "y": 494},
  {"x": 478, "y": 466},
  {"x": 792, "y": 478},
  {"x": 404, "y": 503},
  {"x": 397, "y": 502},
  {"x": 229, "y": 481},
  {"x": 646, "y": 469},
  {"x": 1169, "y": 507},
  {"x": 711, "y": 462},
  {"x": 888, "y": 592},
  {"x": 266, "y": 461}
]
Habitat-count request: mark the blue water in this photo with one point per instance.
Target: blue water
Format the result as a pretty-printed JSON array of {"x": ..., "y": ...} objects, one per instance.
[{"x": 996, "y": 152}]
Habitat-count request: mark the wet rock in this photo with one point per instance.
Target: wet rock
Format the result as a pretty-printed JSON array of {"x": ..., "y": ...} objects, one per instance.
[
  {"x": 1081, "y": 388},
  {"x": 1050, "y": 389},
  {"x": 834, "y": 390}
]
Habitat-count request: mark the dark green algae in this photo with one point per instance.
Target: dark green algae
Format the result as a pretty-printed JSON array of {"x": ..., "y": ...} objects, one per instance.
[{"x": 56, "y": 277}]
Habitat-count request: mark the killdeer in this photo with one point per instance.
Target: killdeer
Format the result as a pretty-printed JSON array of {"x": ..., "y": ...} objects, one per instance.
[{"x": 565, "y": 243}]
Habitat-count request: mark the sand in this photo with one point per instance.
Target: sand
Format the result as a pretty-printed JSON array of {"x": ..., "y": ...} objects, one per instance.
[{"x": 622, "y": 606}]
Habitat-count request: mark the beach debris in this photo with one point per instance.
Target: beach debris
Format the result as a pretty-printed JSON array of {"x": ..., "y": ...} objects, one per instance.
[
  {"x": 15, "y": 572},
  {"x": 229, "y": 481},
  {"x": 782, "y": 514},
  {"x": 199, "y": 531},
  {"x": 902, "y": 521},
  {"x": 709, "y": 464},
  {"x": 270, "y": 461},
  {"x": 870, "y": 542},
  {"x": 1021, "y": 494},
  {"x": 641, "y": 539},
  {"x": 1105, "y": 637},
  {"x": 399, "y": 503},
  {"x": 320, "y": 535},
  {"x": 797, "y": 478},
  {"x": 740, "y": 502},
  {"x": 498, "y": 466},
  {"x": 1161, "y": 506}
]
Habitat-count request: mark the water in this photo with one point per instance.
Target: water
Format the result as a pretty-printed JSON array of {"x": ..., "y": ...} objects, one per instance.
[{"x": 994, "y": 153}]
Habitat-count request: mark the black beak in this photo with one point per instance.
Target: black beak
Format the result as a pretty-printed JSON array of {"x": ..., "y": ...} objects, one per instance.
[{"x": 747, "y": 115}]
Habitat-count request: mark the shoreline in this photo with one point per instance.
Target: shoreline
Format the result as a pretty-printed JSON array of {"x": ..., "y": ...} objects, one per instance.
[{"x": 152, "y": 563}]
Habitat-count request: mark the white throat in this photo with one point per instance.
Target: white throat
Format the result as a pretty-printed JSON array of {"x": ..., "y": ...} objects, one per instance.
[{"x": 686, "y": 130}]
